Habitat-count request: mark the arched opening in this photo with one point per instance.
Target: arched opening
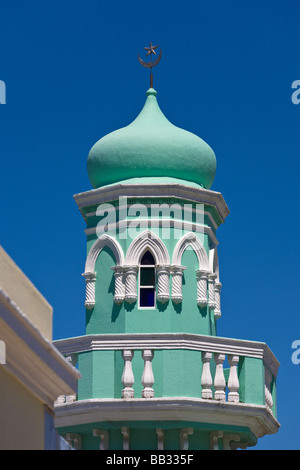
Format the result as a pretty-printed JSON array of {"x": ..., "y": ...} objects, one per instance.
[{"x": 147, "y": 281}]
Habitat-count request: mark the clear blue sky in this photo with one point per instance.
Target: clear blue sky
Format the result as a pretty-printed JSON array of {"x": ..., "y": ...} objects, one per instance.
[{"x": 72, "y": 76}]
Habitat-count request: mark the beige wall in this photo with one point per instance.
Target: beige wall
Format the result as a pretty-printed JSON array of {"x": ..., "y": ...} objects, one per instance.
[
  {"x": 29, "y": 300},
  {"x": 21, "y": 416}
]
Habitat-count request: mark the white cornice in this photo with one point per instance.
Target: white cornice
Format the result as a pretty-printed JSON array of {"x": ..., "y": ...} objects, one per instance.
[
  {"x": 31, "y": 357},
  {"x": 174, "y": 190},
  {"x": 257, "y": 418},
  {"x": 140, "y": 341},
  {"x": 188, "y": 210}
]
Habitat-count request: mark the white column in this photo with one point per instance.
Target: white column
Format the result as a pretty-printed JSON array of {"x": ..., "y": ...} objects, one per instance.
[
  {"x": 202, "y": 288},
  {"x": 127, "y": 377},
  {"x": 233, "y": 380},
  {"x": 72, "y": 359},
  {"x": 219, "y": 382},
  {"x": 177, "y": 273},
  {"x": 217, "y": 312},
  {"x": 119, "y": 284},
  {"x": 163, "y": 291},
  {"x": 103, "y": 438},
  {"x": 90, "y": 279},
  {"x": 211, "y": 290},
  {"x": 130, "y": 273},
  {"x": 147, "y": 378},
  {"x": 206, "y": 378}
]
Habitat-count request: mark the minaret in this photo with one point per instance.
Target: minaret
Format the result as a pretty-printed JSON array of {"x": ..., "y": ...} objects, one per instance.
[{"x": 155, "y": 375}]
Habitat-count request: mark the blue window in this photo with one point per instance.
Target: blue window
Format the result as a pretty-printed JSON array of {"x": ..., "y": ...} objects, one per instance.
[{"x": 147, "y": 281}]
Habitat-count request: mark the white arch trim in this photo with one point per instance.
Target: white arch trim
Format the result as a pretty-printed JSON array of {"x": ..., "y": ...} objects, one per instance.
[
  {"x": 100, "y": 243},
  {"x": 190, "y": 239},
  {"x": 147, "y": 240}
]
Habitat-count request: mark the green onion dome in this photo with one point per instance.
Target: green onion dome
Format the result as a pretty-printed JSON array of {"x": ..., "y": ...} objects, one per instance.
[{"x": 151, "y": 149}]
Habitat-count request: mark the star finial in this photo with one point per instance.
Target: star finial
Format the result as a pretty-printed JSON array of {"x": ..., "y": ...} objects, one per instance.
[
  {"x": 151, "y": 49},
  {"x": 151, "y": 64}
]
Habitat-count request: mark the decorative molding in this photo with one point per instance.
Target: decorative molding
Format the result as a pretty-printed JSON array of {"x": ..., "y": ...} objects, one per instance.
[
  {"x": 189, "y": 210},
  {"x": 190, "y": 239},
  {"x": 99, "y": 244},
  {"x": 158, "y": 223},
  {"x": 257, "y": 418},
  {"x": 147, "y": 240}
]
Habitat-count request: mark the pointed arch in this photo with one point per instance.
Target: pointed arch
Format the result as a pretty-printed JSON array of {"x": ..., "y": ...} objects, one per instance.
[
  {"x": 100, "y": 243},
  {"x": 147, "y": 240},
  {"x": 190, "y": 239}
]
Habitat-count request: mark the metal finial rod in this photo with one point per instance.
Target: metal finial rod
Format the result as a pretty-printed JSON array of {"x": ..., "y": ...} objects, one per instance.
[{"x": 150, "y": 65}]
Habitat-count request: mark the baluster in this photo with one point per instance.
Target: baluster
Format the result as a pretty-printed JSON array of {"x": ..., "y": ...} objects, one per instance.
[
  {"x": 268, "y": 395},
  {"x": 126, "y": 436},
  {"x": 233, "y": 380},
  {"x": 72, "y": 359},
  {"x": 160, "y": 439},
  {"x": 147, "y": 378},
  {"x": 184, "y": 438},
  {"x": 103, "y": 438},
  {"x": 206, "y": 379},
  {"x": 219, "y": 381},
  {"x": 127, "y": 376}
]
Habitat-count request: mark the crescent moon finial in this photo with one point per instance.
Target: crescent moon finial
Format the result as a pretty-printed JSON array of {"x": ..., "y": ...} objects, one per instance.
[{"x": 151, "y": 64}]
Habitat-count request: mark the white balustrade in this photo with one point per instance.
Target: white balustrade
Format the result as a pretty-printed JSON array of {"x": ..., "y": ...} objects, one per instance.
[
  {"x": 233, "y": 380},
  {"x": 127, "y": 377},
  {"x": 206, "y": 378},
  {"x": 219, "y": 382},
  {"x": 268, "y": 394},
  {"x": 147, "y": 378}
]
